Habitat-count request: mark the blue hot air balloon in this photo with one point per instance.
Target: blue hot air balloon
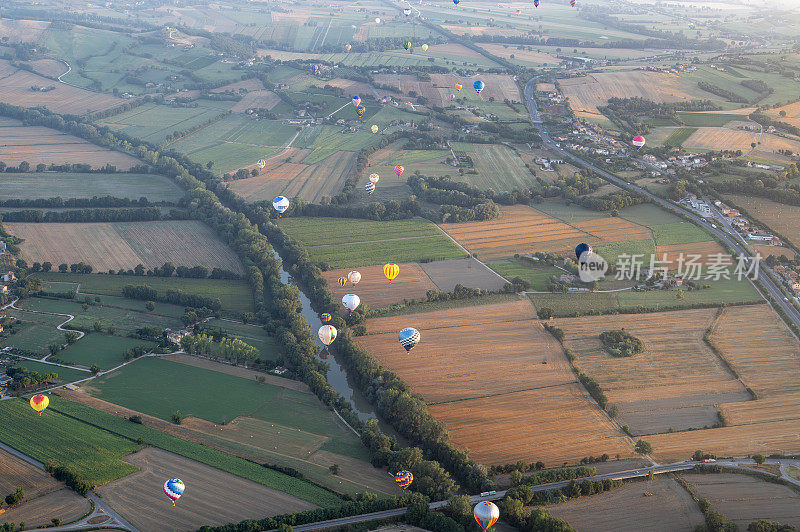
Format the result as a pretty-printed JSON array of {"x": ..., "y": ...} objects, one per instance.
[
  {"x": 370, "y": 188},
  {"x": 478, "y": 86},
  {"x": 456, "y": 2},
  {"x": 409, "y": 337},
  {"x": 280, "y": 204},
  {"x": 582, "y": 248}
]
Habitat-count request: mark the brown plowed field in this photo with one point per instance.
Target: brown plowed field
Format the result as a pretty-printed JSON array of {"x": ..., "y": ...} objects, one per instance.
[
  {"x": 376, "y": 291},
  {"x": 16, "y": 90},
  {"x": 17, "y": 473},
  {"x": 588, "y": 92},
  {"x": 118, "y": 245},
  {"x": 48, "y": 67},
  {"x": 501, "y": 383},
  {"x": 212, "y": 497},
  {"x": 670, "y": 255},
  {"x": 521, "y": 229},
  {"x": 64, "y": 504},
  {"x": 744, "y": 499},
  {"x": 627, "y": 509},
  {"x": 676, "y": 383},
  {"x": 36, "y": 144}
]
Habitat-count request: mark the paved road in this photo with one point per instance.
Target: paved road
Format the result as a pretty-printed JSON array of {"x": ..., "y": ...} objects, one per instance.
[{"x": 720, "y": 232}]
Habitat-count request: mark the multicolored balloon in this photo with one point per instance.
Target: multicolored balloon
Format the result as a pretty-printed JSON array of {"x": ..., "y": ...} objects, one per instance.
[
  {"x": 374, "y": 178},
  {"x": 486, "y": 514},
  {"x": 261, "y": 163},
  {"x": 408, "y": 337},
  {"x": 456, "y": 2},
  {"x": 399, "y": 170},
  {"x": 424, "y": 47},
  {"x": 374, "y": 129},
  {"x": 347, "y": 47},
  {"x": 354, "y": 277},
  {"x": 370, "y": 188},
  {"x": 342, "y": 281},
  {"x": 314, "y": 69},
  {"x": 325, "y": 317},
  {"x": 517, "y": 11},
  {"x": 572, "y": 3},
  {"x": 39, "y": 402},
  {"x": 582, "y": 248},
  {"x": 351, "y": 302},
  {"x": 407, "y": 45},
  {"x": 458, "y": 87},
  {"x": 391, "y": 270},
  {"x": 407, "y": 11},
  {"x": 536, "y": 3},
  {"x": 478, "y": 86},
  {"x": 327, "y": 334},
  {"x": 280, "y": 204},
  {"x": 404, "y": 479},
  {"x": 452, "y": 97},
  {"x": 356, "y": 101},
  {"x": 360, "y": 110},
  {"x": 174, "y": 488},
  {"x": 638, "y": 141}
]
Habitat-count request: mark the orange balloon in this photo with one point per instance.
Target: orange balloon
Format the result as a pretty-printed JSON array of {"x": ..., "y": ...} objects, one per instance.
[{"x": 391, "y": 270}]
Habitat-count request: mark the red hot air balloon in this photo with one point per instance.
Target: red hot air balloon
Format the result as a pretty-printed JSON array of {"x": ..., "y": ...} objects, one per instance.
[
  {"x": 399, "y": 170},
  {"x": 638, "y": 141}
]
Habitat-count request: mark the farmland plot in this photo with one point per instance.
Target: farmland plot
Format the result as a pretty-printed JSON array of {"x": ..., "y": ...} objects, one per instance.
[
  {"x": 36, "y": 144},
  {"x": 153, "y": 122},
  {"x": 63, "y": 504},
  {"x": 540, "y": 401},
  {"x": 17, "y": 473},
  {"x": 675, "y": 384},
  {"x": 588, "y": 92},
  {"x": 68, "y": 185},
  {"x": 21, "y": 30},
  {"x": 376, "y": 291},
  {"x": 217, "y": 497},
  {"x": 785, "y": 219},
  {"x": 125, "y": 244}
]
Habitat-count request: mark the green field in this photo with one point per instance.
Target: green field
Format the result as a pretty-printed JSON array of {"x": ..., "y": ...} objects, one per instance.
[
  {"x": 235, "y": 295},
  {"x": 94, "y": 454},
  {"x": 557, "y": 208},
  {"x": 251, "y": 334},
  {"x": 35, "y": 333},
  {"x": 539, "y": 277},
  {"x": 679, "y": 233},
  {"x": 342, "y": 242},
  {"x": 679, "y": 136},
  {"x": 612, "y": 251},
  {"x": 101, "y": 349},
  {"x": 706, "y": 119},
  {"x": 68, "y": 185},
  {"x": 648, "y": 215},
  {"x": 206, "y": 455},
  {"x": 499, "y": 168},
  {"x": 333, "y": 138},
  {"x": 153, "y": 122},
  {"x": 64, "y": 374},
  {"x": 724, "y": 291}
]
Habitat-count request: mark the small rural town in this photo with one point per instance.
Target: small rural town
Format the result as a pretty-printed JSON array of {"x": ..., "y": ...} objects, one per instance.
[{"x": 399, "y": 265}]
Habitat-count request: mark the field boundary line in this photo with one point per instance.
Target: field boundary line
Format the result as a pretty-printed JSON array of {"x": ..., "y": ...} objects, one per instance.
[
  {"x": 502, "y": 393},
  {"x": 470, "y": 255}
]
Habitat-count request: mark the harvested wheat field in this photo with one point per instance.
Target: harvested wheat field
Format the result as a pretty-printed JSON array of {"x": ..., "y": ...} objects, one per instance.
[
  {"x": 785, "y": 219},
  {"x": 22, "y": 30},
  {"x": 63, "y": 504},
  {"x": 659, "y": 504},
  {"x": 251, "y": 84},
  {"x": 676, "y": 383},
  {"x": 744, "y": 499},
  {"x": 521, "y": 229},
  {"x": 213, "y": 497},
  {"x": 258, "y": 99},
  {"x": 721, "y": 138},
  {"x": 118, "y": 245},
  {"x": 766, "y": 250},
  {"x": 49, "y": 68},
  {"x": 36, "y": 144},
  {"x": 16, "y": 90},
  {"x": 446, "y": 274},
  {"x": 588, "y": 92},
  {"x": 528, "y": 56},
  {"x": 513, "y": 383},
  {"x": 376, "y": 291},
  {"x": 670, "y": 255},
  {"x": 405, "y": 83},
  {"x": 545, "y": 87},
  {"x": 792, "y": 111},
  {"x": 17, "y": 473},
  {"x": 498, "y": 86}
]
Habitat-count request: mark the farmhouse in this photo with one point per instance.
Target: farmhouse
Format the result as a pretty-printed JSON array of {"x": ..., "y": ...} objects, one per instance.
[
  {"x": 176, "y": 337},
  {"x": 8, "y": 277}
]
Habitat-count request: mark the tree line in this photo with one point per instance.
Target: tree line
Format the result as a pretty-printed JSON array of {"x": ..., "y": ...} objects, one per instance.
[
  {"x": 75, "y": 203},
  {"x": 146, "y": 214},
  {"x": 175, "y": 297},
  {"x": 231, "y": 349}
]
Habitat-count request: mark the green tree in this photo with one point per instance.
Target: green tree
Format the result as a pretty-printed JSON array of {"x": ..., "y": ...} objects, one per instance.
[
  {"x": 98, "y": 326},
  {"x": 54, "y": 348},
  {"x": 758, "y": 458},
  {"x": 643, "y": 447},
  {"x": 150, "y": 305},
  {"x": 95, "y": 369},
  {"x": 71, "y": 337},
  {"x": 176, "y": 417},
  {"x": 334, "y": 469}
]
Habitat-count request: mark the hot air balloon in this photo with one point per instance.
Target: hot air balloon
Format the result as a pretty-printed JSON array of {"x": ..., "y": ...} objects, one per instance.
[
  {"x": 458, "y": 87},
  {"x": 517, "y": 11},
  {"x": 424, "y": 47},
  {"x": 478, "y": 86},
  {"x": 582, "y": 248},
  {"x": 325, "y": 317},
  {"x": 391, "y": 270},
  {"x": 399, "y": 170},
  {"x": 638, "y": 141},
  {"x": 354, "y": 277},
  {"x": 452, "y": 97},
  {"x": 407, "y": 11},
  {"x": 374, "y": 129},
  {"x": 408, "y": 337},
  {"x": 261, "y": 163},
  {"x": 327, "y": 334},
  {"x": 486, "y": 514},
  {"x": 536, "y": 3},
  {"x": 370, "y": 188},
  {"x": 280, "y": 204},
  {"x": 174, "y": 488},
  {"x": 39, "y": 402},
  {"x": 351, "y": 302},
  {"x": 404, "y": 479},
  {"x": 356, "y": 101},
  {"x": 347, "y": 47},
  {"x": 314, "y": 69},
  {"x": 360, "y": 110},
  {"x": 572, "y": 3},
  {"x": 407, "y": 45},
  {"x": 377, "y": 21},
  {"x": 374, "y": 178},
  {"x": 456, "y": 2},
  {"x": 342, "y": 281}
]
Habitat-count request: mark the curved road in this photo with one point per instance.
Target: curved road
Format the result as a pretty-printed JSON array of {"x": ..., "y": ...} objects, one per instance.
[{"x": 732, "y": 241}]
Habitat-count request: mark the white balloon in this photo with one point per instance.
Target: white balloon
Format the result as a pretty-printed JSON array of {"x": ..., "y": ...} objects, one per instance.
[{"x": 351, "y": 302}]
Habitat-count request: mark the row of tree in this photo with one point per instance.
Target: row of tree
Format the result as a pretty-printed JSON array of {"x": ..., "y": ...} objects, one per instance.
[
  {"x": 231, "y": 349},
  {"x": 175, "y": 297},
  {"x": 146, "y": 214},
  {"x": 74, "y": 203}
]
